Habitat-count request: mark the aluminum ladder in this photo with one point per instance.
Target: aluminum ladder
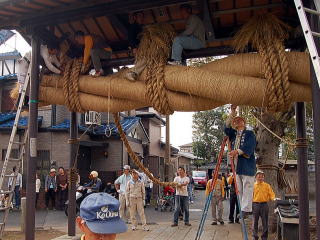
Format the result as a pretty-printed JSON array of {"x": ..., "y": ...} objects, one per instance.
[
  {"x": 309, "y": 34},
  {"x": 12, "y": 160}
]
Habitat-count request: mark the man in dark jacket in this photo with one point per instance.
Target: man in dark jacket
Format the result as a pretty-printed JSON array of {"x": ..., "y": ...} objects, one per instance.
[
  {"x": 95, "y": 184},
  {"x": 243, "y": 143}
]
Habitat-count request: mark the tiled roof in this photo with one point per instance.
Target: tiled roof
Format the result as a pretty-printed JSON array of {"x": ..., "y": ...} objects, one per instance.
[
  {"x": 127, "y": 124},
  {"x": 5, "y": 35},
  {"x": 9, "y": 76},
  {"x": 23, "y": 122},
  {"x": 6, "y": 116},
  {"x": 14, "y": 53}
]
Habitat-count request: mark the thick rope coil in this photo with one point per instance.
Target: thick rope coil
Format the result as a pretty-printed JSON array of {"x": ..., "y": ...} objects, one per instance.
[
  {"x": 135, "y": 158},
  {"x": 71, "y": 85},
  {"x": 154, "y": 49},
  {"x": 266, "y": 33}
]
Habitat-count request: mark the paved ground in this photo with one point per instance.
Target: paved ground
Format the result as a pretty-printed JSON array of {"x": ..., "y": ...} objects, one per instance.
[{"x": 159, "y": 223}]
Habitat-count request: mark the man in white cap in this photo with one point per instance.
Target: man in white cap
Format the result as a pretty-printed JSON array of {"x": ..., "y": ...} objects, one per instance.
[
  {"x": 262, "y": 194},
  {"x": 135, "y": 198},
  {"x": 99, "y": 218},
  {"x": 22, "y": 72},
  {"x": 50, "y": 187},
  {"x": 121, "y": 184},
  {"x": 243, "y": 143}
]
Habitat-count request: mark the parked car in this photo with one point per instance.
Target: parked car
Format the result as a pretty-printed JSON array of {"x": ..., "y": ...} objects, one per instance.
[{"x": 200, "y": 179}]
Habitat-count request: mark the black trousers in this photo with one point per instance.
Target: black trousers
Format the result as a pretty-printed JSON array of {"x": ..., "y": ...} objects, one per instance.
[
  {"x": 260, "y": 210},
  {"x": 37, "y": 198},
  {"x": 51, "y": 195},
  {"x": 233, "y": 205},
  {"x": 62, "y": 198}
]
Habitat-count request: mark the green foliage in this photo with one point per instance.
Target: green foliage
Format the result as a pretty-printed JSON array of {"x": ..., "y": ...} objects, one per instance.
[
  {"x": 290, "y": 133},
  {"x": 208, "y": 133}
]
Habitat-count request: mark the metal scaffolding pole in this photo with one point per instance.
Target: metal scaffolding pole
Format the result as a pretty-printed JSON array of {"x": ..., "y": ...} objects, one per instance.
[
  {"x": 302, "y": 156},
  {"x": 33, "y": 132},
  {"x": 72, "y": 187}
]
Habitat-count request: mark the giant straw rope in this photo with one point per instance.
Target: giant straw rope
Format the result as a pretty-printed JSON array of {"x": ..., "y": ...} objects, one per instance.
[{"x": 272, "y": 78}]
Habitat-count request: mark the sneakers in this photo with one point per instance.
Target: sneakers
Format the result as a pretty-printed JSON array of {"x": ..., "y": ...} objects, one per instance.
[
  {"x": 221, "y": 222},
  {"x": 244, "y": 214},
  {"x": 174, "y": 225},
  {"x": 174, "y": 63},
  {"x": 98, "y": 73},
  {"x": 134, "y": 228},
  {"x": 145, "y": 228},
  {"x": 187, "y": 224},
  {"x": 231, "y": 221},
  {"x": 191, "y": 202},
  {"x": 132, "y": 76},
  {"x": 214, "y": 223}
]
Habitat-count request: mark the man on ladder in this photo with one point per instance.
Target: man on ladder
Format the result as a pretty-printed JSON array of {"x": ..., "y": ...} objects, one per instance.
[{"x": 246, "y": 162}]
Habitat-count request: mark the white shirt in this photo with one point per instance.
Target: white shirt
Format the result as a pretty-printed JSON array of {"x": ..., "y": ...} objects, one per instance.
[
  {"x": 18, "y": 181},
  {"x": 182, "y": 190},
  {"x": 49, "y": 59},
  {"x": 123, "y": 181},
  {"x": 38, "y": 185},
  {"x": 22, "y": 70}
]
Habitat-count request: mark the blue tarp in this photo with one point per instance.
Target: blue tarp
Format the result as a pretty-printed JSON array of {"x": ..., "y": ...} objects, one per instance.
[
  {"x": 127, "y": 124},
  {"x": 5, "y": 35}
]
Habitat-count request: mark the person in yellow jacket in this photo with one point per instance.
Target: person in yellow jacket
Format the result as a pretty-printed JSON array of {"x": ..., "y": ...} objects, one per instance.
[
  {"x": 217, "y": 199},
  {"x": 96, "y": 47},
  {"x": 262, "y": 194}
]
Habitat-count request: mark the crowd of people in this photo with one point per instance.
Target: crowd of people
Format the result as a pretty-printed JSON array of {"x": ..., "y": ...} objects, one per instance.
[{"x": 134, "y": 188}]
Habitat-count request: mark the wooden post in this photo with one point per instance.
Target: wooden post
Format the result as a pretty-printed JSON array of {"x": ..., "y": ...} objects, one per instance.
[
  {"x": 167, "y": 151},
  {"x": 72, "y": 186},
  {"x": 33, "y": 132},
  {"x": 302, "y": 156}
]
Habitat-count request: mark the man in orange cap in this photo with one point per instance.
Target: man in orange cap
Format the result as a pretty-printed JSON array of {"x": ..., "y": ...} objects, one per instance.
[{"x": 243, "y": 144}]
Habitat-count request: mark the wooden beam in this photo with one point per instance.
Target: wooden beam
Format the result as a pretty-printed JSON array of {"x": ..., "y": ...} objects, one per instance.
[
  {"x": 100, "y": 29},
  {"x": 206, "y": 18},
  {"x": 60, "y": 29},
  {"x": 103, "y": 9},
  {"x": 71, "y": 27},
  {"x": 5, "y": 63},
  {"x": 84, "y": 26},
  {"x": 115, "y": 21},
  {"x": 230, "y": 11}
]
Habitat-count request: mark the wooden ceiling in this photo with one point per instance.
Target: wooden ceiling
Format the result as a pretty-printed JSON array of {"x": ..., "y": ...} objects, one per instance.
[{"x": 110, "y": 18}]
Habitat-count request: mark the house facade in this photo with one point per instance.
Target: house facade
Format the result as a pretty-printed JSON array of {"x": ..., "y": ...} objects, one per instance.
[{"x": 100, "y": 146}]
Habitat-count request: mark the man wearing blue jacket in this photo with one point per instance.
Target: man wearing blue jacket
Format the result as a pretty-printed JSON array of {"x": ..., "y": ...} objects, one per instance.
[{"x": 243, "y": 144}]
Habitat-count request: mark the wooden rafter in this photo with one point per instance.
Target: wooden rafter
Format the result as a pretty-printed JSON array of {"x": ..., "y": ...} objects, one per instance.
[
  {"x": 120, "y": 29},
  {"x": 100, "y": 29},
  {"x": 207, "y": 20},
  {"x": 85, "y": 26}
]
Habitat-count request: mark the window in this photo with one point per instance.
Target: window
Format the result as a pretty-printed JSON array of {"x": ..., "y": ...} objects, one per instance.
[
  {"x": 43, "y": 160},
  {"x": 14, "y": 153}
]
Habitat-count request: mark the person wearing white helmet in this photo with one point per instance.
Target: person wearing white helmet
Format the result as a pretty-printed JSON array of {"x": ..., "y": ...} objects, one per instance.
[
  {"x": 121, "y": 184},
  {"x": 95, "y": 183},
  {"x": 22, "y": 71}
]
